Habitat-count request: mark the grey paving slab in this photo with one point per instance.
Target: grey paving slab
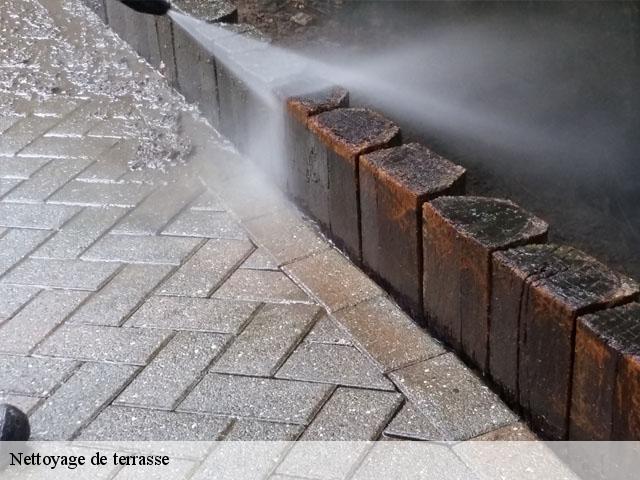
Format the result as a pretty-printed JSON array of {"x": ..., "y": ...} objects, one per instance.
[
  {"x": 261, "y": 259},
  {"x": 333, "y": 280},
  {"x": 159, "y": 208},
  {"x": 51, "y": 107},
  {"x": 411, "y": 423},
  {"x": 201, "y": 314},
  {"x": 23, "y": 402},
  {"x": 7, "y": 120},
  {"x": 15, "y": 244},
  {"x": 118, "y": 298},
  {"x": 201, "y": 223},
  {"x": 96, "y": 194},
  {"x": 103, "y": 344},
  {"x": 141, "y": 249},
  {"x": 111, "y": 164},
  {"x": 39, "y": 216},
  {"x": 177, "y": 469},
  {"x": 265, "y": 342},
  {"x": 387, "y": 334},
  {"x": 327, "y": 331},
  {"x": 515, "y": 432},
  {"x": 32, "y": 376},
  {"x": 413, "y": 460},
  {"x": 20, "y": 168},
  {"x": 71, "y": 274},
  {"x": 336, "y": 364},
  {"x": 247, "y": 430},
  {"x": 78, "y": 400},
  {"x": 79, "y": 121},
  {"x": 32, "y": 324},
  {"x": 139, "y": 425},
  {"x": 208, "y": 201},
  {"x": 47, "y": 180},
  {"x": 261, "y": 286},
  {"x": 285, "y": 235},
  {"x": 207, "y": 268},
  {"x": 23, "y": 132},
  {"x": 445, "y": 391},
  {"x": 8, "y": 184},
  {"x": 12, "y": 297},
  {"x": 259, "y": 398},
  {"x": 353, "y": 414},
  {"x": 114, "y": 128},
  {"x": 178, "y": 365},
  {"x": 66, "y": 147},
  {"x": 79, "y": 233}
]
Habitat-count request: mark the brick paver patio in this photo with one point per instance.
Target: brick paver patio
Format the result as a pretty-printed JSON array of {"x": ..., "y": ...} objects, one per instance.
[{"x": 190, "y": 304}]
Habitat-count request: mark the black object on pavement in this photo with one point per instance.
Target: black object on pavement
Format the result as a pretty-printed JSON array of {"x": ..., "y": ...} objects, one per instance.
[{"x": 14, "y": 424}]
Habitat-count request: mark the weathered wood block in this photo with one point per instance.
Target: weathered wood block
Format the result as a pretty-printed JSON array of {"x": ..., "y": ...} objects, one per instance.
[
  {"x": 459, "y": 236},
  {"x": 606, "y": 377},
  {"x": 394, "y": 185},
  {"x": 342, "y": 136},
  {"x": 305, "y": 177},
  {"x": 538, "y": 291}
]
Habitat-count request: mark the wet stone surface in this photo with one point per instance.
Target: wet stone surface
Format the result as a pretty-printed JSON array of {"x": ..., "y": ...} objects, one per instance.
[{"x": 122, "y": 292}]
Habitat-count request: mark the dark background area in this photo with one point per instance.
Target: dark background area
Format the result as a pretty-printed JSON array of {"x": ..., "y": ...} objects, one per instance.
[{"x": 550, "y": 113}]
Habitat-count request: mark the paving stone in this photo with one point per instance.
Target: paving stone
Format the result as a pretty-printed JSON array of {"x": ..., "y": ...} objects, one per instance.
[
  {"x": 178, "y": 365},
  {"x": 71, "y": 274},
  {"x": 226, "y": 461},
  {"x": 285, "y": 235},
  {"x": 261, "y": 286},
  {"x": 260, "y": 398},
  {"x": 207, "y": 268},
  {"x": 327, "y": 331},
  {"x": 33, "y": 323},
  {"x": 353, "y": 414},
  {"x": 201, "y": 314},
  {"x": 91, "y": 387},
  {"x": 80, "y": 233},
  {"x": 336, "y": 364},
  {"x": 57, "y": 106},
  {"x": 455, "y": 400},
  {"x": 208, "y": 201},
  {"x": 177, "y": 469},
  {"x": 387, "y": 334},
  {"x": 111, "y": 164},
  {"x": 103, "y": 344},
  {"x": 141, "y": 249},
  {"x": 16, "y": 244},
  {"x": 118, "y": 298},
  {"x": 7, "y": 184},
  {"x": 32, "y": 376},
  {"x": 23, "y": 402},
  {"x": 394, "y": 185},
  {"x": 158, "y": 208},
  {"x": 47, "y": 180},
  {"x": 67, "y": 147},
  {"x": 265, "y": 343},
  {"x": 459, "y": 236},
  {"x": 333, "y": 280},
  {"x": 7, "y": 120},
  {"x": 411, "y": 423},
  {"x": 260, "y": 259},
  {"x": 245, "y": 430},
  {"x": 139, "y": 425},
  {"x": 24, "y": 132},
  {"x": 80, "y": 120},
  {"x": 200, "y": 223},
  {"x": 95, "y": 194},
  {"x": 20, "y": 168},
  {"x": 44, "y": 217},
  {"x": 414, "y": 460},
  {"x": 12, "y": 297}
]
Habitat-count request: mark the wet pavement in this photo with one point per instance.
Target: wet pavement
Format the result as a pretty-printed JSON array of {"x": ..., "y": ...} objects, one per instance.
[{"x": 190, "y": 301}]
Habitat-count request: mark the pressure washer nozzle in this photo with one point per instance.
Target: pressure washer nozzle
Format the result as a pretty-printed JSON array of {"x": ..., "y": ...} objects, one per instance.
[{"x": 153, "y": 7}]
